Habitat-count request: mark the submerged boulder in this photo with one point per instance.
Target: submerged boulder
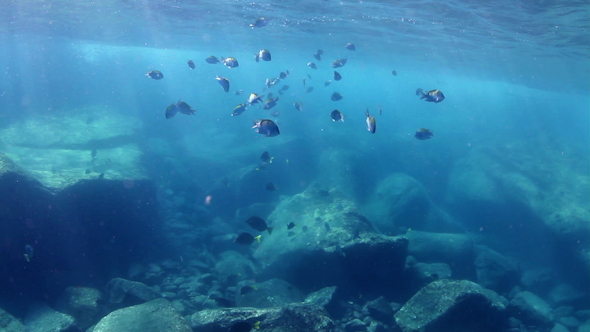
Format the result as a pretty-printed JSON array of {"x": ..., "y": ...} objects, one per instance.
[
  {"x": 330, "y": 242},
  {"x": 271, "y": 293},
  {"x": 459, "y": 306},
  {"x": 290, "y": 318},
  {"x": 154, "y": 316},
  {"x": 401, "y": 202},
  {"x": 531, "y": 309}
]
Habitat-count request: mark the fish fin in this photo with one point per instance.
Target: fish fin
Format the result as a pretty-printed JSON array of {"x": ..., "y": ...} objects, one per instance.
[
  {"x": 269, "y": 229},
  {"x": 257, "y": 325},
  {"x": 27, "y": 258},
  {"x": 258, "y": 238}
]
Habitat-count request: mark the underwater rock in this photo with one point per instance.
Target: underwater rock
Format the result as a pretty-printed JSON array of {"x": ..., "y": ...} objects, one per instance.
[
  {"x": 400, "y": 201},
  {"x": 330, "y": 242},
  {"x": 293, "y": 317},
  {"x": 530, "y": 309},
  {"x": 41, "y": 318},
  {"x": 379, "y": 309},
  {"x": 271, "y": 293},
  {"x": 9, "y": 323},
  {"x": 355, "y": 325},
  {"x": 421, "y": 274},
  {"x": 129, "y": 292},
  {"x": 458, "y": 305},
  {"x": 456, "y": 250},
  {"x": 153, "y": 316},
  {"x": 322, "y": 297},
  {"x": 563, "y": 294},
  {"x": 82, "y": 304},
  {"x": 495, "y": 271},
  {"x": 233, "y": 267}
]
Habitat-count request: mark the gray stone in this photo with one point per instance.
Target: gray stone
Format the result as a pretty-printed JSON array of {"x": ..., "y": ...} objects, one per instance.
[
  {"x": 457, "y": 305},
  {"x": 322, "y": 297},
  {"x": 585, "y": 327},
  {"x": 121, "y": 290},
  {"x": 379, "y": 309},
  {"x": 563, "y": 311},
  {"x": 9, "y": 323},
  {"x": 569, "y": 322},
  {"x": 456, "y": 250},
  {"x": 291, "y": 318},
  {"x": 583, "y": 315},
  {"x": 424, "y": 273},
  {"x": 82, "y": 304},
  {"x": 530, "y": 309},
  {"x": 559, "y": 328},
  {"x": 355, "y": 325},
  {"x": 234, "y": 265},
  {"x": 41, "y": 318},
  {"x": 495, "y": 271},
  {"x": 331, "y": 242},
  {"x": 271, "y": 293},
  {"x": 153, "y": 316}
]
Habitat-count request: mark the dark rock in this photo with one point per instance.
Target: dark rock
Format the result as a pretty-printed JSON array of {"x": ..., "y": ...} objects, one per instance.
[
  {"x": 291, "y": 318},
  {"x": 233, "y": 267},
  {"x": 583, "y": 315},
  {"x": 129, "y": 292},
  {"x": 561, "y": 312},
  {"x": 347, "y": 252},
  {"x": 9, "y": 323},
  {"x": 271, "y": 293},
  {"x": 585, "y": 327},
  {"x": 401, "y": 201},
  {"x": 421, "y": 274},
  {"x": 564, "y": 294},
  {"x": 539, "y": 281},
  {"x": 376, "y": 327},
  {"x": 82, "y": 304},
  {"x": 530, "y": 309},
  {"x": 456, "y": 250},
  {"x": 41, "y": 318},
  {"x": 379, "y": 309},
  {"x": 569, "y": 322},
  {"x": 453, "y": 305},
  {"x": 495, "y": 271},
  {"x": 355, "y": 325},
  {"x": 153, "y": 316},
  {"x": 321, "y": 298},
  {"x": 559, "y": 328}
]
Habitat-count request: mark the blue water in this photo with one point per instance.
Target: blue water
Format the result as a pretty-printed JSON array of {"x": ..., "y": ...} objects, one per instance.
[{"x": 514, "y": 73}]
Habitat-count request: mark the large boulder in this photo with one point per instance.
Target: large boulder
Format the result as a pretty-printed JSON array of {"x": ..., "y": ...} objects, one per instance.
[
  {"x": 290, "y": 318},
  {"x": 41, "y": 318},
  {"x": 401, "y": 202},
  {"x": 331, "y": 242},
  {"x": 129, "y": 292},
  {"x": 495, "y": 271},
  {"x": 447, "y": 305},
  {"x": 154, "y": 316},
  {"x": 531, "y": 309},
  {"x": 9, "y": 323},
  {"x": 271, "y": 293},
  {"x": 82, "y": 303}
]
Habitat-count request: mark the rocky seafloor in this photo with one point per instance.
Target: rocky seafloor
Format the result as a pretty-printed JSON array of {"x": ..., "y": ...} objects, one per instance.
[{"x": 132, "y": 251}]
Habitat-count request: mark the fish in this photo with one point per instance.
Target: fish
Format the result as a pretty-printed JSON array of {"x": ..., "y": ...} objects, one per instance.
[
  {"x": 191, "y": 64},
  {"x": 318, "y": 55},
  {"x": 371, "y": 123},
  {"x": 271, "y": 186},
  {"x": 212, "y": 60},
  {"x": 88, "y": 171},
  {"x": 246, "y": 239},
  {"x": 337, "y": 76},
  {"x": 433, "y": 96},
  {"x": 323, "y": 193},
  {"x": 230, "y": 62},
  {"x": 259, "y": 23},
  {"x": 337, "y": 116},
  {"x": 336, "y": 96},
  {"x": 298, "y": 106},
  {"x": 291, "y": 225},
  {"x": 262, "y": 54},
  {"x": 283, "y": 75},
  {"x": 309, "y": 76},
  {"x": 285, "y": 88},
  {"x": 304, "y": 82},
  {"x": 179, "y": 107},
  {"x": 239, "y": 109},
  {"x": 155, "y": 74},
  {"x": 380, "y": 110},
  {"x": 326, "y": 83},
  {"x": 244, "y": 326},
  {"x": 101, "y": 176},
  {"x": 266, "y": 127},
  {"x": 312, "y": 65},
  {"x": 310, "y": 89},
  {"x": 93, "y": 153},
  {"x": 265, "y": 157},
  {"x": 271, "y": 82},
  {"x": 258, "y": 224},
  {"x": 270, "y": 95},
  {"x": 339, "y": 63},
  {"x": 224, "y": 83},
  {"x": 394, "y": 73},
  {"x": 247, "y": 290},
  {"x": 254, "y": 98},
  {"x": 350, "y": 46},
  {"x": 238, "y": 92},
  {"x": 281, "y": 92},
  {"x": 423, "y": 134},
  {"x": 270, "y": 103},
  {"x": 29, "y": 253},
  {"x": 327, "y": 226}
]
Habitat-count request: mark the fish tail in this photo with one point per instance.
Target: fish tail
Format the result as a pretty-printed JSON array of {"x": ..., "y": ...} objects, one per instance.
[
  {"x": 420, "y": 92},
  {"x": 269, "y": 229}
]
